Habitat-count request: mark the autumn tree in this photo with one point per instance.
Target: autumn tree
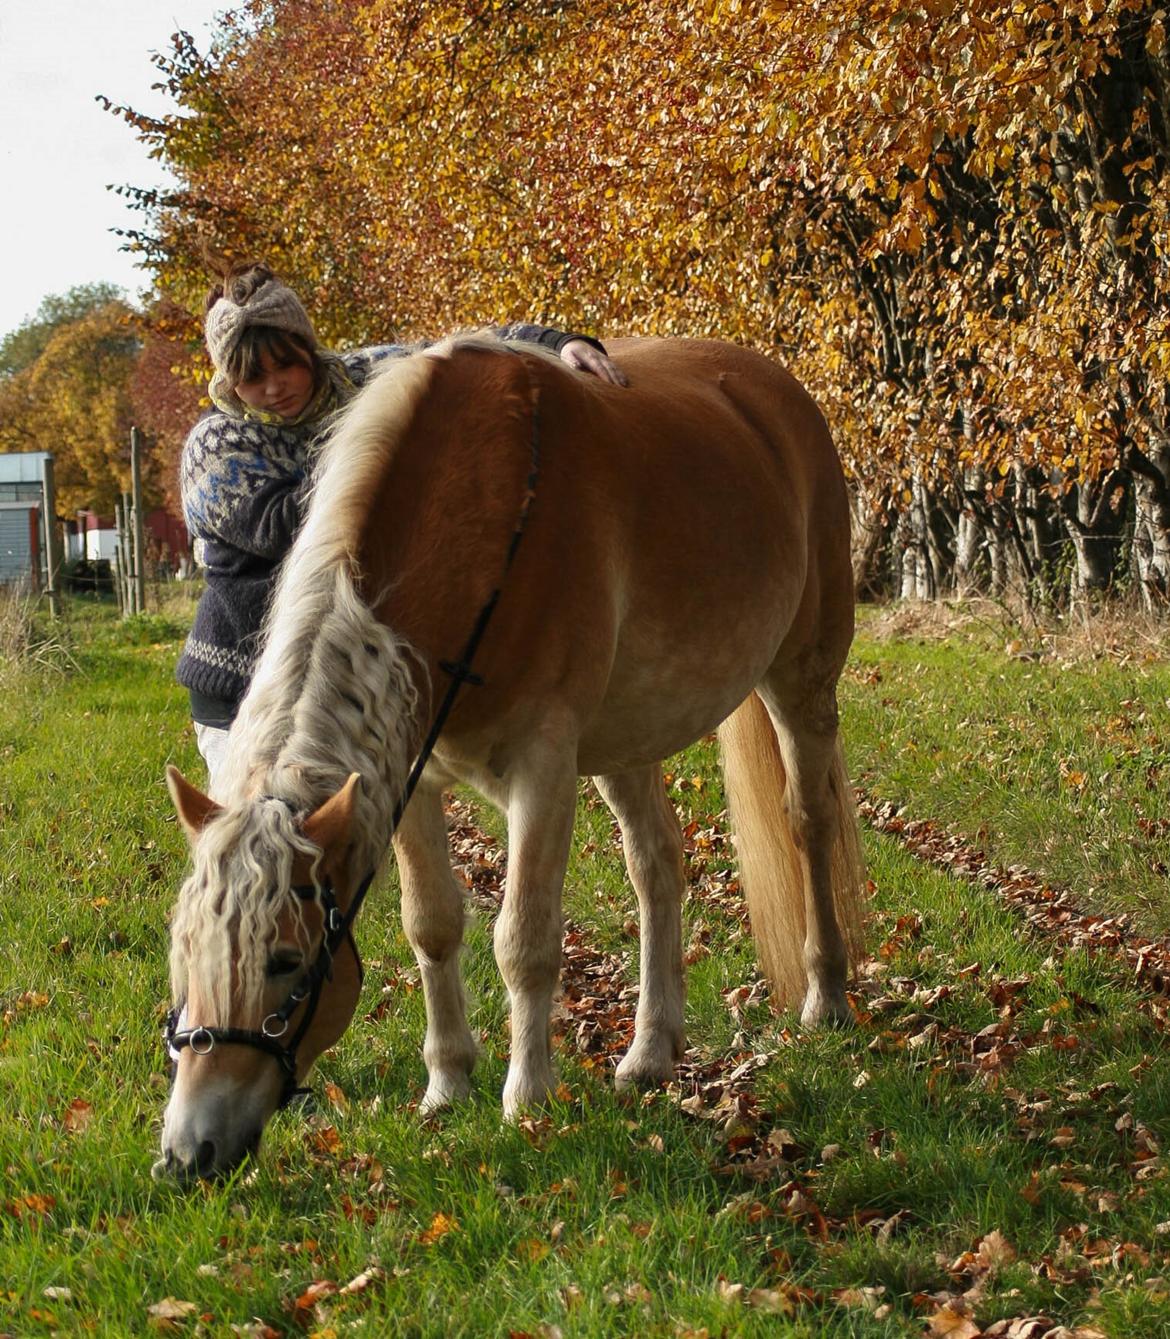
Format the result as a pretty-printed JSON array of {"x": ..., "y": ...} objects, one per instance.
[
  {"x": 24, "y": 345},
  {"x": 949, "y": 217},
  {"x": 73, "y": 399},
  {"x": 167, "y": 390}
]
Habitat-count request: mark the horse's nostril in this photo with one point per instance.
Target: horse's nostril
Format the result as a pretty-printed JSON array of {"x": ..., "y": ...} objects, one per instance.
[{"x": 205, "y": 1157}]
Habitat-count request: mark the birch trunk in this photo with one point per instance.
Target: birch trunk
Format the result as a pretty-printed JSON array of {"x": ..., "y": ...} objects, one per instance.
[
  {"x": 1094, "y": 516},
  {"x": 1151, "y": 537}
]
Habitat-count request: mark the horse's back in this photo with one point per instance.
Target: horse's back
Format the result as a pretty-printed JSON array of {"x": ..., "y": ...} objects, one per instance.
[
  {"x": 711, "y": 476},
  {"x": 708, "y": 520},
  {"x": 712, "y": 450},
  {"x": 681, "y": 527}
]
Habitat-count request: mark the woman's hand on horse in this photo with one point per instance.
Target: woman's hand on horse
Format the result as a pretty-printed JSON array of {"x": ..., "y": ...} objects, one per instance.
[{"x": 583, "y": 356}]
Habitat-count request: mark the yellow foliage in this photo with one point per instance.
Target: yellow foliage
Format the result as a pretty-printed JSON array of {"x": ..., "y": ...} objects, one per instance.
[
  {"x": 74, "y": 401},
  {"x": 870, "y": 192}
]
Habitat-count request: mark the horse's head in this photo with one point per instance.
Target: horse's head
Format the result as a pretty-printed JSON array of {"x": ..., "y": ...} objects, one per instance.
[{"x": 265, "y": 974}]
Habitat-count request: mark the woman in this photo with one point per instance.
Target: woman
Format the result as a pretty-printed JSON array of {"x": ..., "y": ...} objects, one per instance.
[{"x": 247, "y": 463}]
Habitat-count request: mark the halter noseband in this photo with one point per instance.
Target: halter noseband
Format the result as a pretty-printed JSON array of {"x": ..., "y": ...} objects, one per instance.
[{"x": 338, "y": 929}]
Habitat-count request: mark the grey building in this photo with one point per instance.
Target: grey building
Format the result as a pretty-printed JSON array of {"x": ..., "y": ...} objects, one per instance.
[{"x": 22, "y": 520}]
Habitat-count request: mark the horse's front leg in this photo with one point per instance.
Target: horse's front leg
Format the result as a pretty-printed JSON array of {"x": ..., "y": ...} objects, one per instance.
[
  {"x": 542, "y": 803},
  {"x": 432, "y": 919}
]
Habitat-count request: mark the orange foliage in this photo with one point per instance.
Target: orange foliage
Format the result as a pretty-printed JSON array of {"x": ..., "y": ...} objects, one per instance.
[{"x": 949, "y": 216}]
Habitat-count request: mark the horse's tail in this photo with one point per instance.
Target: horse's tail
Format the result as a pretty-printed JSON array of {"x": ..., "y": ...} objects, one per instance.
[{"x": 769, "y": 862}]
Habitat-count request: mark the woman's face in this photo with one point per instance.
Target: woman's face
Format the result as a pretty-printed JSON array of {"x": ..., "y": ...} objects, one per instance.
[{"x": 282, "y": 387}]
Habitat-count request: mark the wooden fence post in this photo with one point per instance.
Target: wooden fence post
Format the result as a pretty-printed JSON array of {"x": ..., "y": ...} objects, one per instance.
[
  {"x": 34, "y": 546},
  {"x": 122, "y": 554},
  {"x": 118, "y": 558},
  {"x": 52, "y": 539},
  {"x": 139, "y": 524}
]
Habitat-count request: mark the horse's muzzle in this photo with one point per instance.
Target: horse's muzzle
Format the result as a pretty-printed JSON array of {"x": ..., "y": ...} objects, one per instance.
[{"x": 204, "y": 1162}]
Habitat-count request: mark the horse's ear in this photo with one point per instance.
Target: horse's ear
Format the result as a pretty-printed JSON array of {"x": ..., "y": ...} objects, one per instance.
[
  {"x": 329, "y": 826},
  {"x": 193, "y": 807}
]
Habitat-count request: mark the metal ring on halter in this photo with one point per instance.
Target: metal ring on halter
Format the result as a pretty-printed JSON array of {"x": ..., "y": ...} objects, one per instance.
[
  {"x": 274, "y": 1032},
  {"x": 201, "y": 1032}
]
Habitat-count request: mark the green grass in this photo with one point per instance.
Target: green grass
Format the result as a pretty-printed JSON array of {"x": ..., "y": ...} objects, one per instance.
[
  {"x": 609, "y": 1217},
  {"x": 1056, "y": 763}
]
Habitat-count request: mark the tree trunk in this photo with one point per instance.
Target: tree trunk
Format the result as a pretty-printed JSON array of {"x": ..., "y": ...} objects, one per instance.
[
  {"x": 914, "y": 543},
  {"x": 1151, "y": 537},
  {"x": 1036, "y": 520},
  {"x": 971, "y": 533},
  {"x": 871, "y": 534},
  {"x": 1094, "y": 515}
]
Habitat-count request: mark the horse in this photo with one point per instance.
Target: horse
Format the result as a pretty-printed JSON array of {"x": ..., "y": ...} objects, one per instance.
[{"x": 675, "y": 555}]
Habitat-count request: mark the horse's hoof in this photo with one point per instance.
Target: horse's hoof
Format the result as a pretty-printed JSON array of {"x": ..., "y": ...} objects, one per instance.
[
  {"x": 827, "y": 1011},
  {"x": 640, "y": 1080},
  {"x": 443, "y": 1093},
  {"x": 523, "y": 1096},
  {"x": 649, "y": 1065}
]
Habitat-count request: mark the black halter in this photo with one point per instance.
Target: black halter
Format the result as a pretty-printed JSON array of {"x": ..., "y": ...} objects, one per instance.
[
  {"x": 270, "y": 1038},
  {"x": 338, "y": 928}
]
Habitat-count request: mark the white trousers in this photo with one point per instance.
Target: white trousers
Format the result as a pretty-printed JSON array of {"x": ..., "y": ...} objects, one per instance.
[{"x": 212, "y": 743}]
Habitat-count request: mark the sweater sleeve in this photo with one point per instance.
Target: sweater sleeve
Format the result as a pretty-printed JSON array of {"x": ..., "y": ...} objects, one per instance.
[
  {"x": 361, "y": 364},
  {"x": 545, "y": 335},
  {"x": 234, "y": 493}
]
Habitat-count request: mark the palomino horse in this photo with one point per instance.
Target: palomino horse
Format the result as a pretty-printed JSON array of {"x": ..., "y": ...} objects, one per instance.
[{"x": 685, "y": 550}]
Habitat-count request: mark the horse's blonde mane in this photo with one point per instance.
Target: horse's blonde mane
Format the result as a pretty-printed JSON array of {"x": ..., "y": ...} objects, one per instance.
[{"x": 334, "y": 693}]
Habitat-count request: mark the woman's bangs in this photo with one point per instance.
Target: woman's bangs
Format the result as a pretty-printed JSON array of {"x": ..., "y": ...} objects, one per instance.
[{"x": 247, "y": 360}]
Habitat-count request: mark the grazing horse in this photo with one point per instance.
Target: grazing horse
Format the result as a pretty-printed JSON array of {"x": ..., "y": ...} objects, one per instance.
[{"x": 676, "y": 555}]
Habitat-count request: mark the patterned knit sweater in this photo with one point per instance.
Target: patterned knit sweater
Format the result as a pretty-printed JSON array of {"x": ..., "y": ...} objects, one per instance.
[{"x": 244, "y": 485}]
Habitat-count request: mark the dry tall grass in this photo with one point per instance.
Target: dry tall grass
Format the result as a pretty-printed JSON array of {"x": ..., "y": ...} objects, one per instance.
[
  {"x": 29, "y": 641},
  {"x": 1110, "y": 630}
]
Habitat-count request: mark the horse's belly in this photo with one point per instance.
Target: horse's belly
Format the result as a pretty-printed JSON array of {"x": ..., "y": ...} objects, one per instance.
[
  {"x": 668, "y": 687},
  {"x": 633, "y": 737}
]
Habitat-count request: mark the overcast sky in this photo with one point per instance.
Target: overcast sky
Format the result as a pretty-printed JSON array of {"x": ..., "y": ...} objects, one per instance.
[{"x": 59, "y": 149}]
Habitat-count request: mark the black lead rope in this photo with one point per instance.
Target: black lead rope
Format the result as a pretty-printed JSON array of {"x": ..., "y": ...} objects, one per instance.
[
  {"x": 460, "y": 671},
  {"x": 338, "y": 928}
]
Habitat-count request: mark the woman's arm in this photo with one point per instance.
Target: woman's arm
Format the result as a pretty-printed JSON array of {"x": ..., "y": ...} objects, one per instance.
[
  {"x": 583, "y": 352},
  {"x": 586, "y": 356}
]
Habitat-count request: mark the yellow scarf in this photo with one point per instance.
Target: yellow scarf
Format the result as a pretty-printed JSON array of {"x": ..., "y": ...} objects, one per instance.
[{"x": 336, "y": 390}]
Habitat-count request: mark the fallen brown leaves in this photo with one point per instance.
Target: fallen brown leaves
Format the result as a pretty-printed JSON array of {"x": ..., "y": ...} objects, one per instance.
[
  {"x": 32, "y": 1207},
  {"x": 308, "y": 1307},
  {"x": 595, "y": 1016},
  {"x": 78, "y": 1116},
  {"x": 441, "y": 1225},
  {"x": 904, "y": 1016},
  {"x": 164, "y": 1315},
  {"x": 951, "y": 1315},
  {"x": 1053, "y": 911}
]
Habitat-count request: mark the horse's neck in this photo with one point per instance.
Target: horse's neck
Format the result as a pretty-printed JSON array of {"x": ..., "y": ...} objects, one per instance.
[{"x": 343, "y": 699}]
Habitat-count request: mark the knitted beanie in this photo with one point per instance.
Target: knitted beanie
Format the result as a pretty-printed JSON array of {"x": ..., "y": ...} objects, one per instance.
[{"x": 272, "y": 304}]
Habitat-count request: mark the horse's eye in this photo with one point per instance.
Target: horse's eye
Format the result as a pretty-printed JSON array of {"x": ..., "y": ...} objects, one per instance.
[{"x": 281, "y": 964}]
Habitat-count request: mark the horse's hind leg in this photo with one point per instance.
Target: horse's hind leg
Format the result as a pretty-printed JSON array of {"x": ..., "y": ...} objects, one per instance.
[
  {"x": 654, "y": 858},
  {"x": 805, "y": 720},
  {"x": 432, "y": 918}
]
